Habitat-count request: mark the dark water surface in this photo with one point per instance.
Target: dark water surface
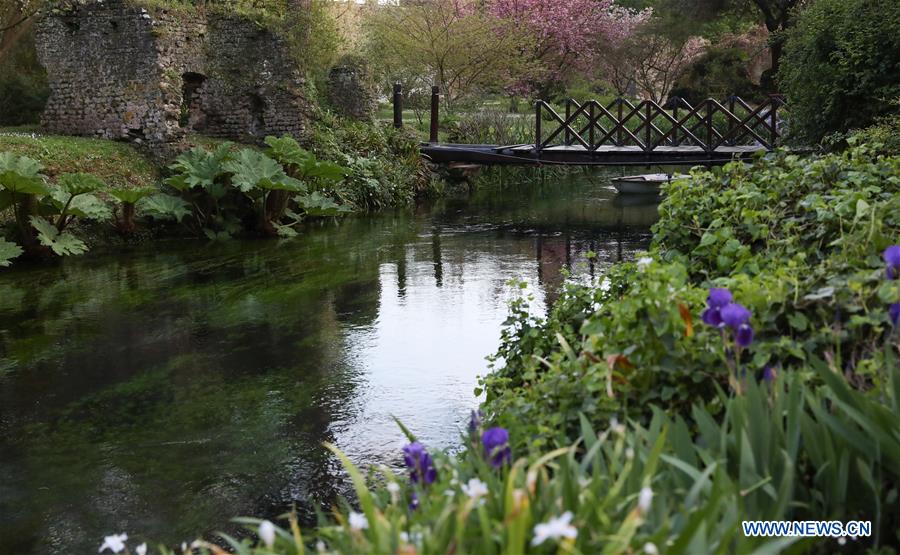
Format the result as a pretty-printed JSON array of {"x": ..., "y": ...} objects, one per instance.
[{"x": 165, "y": 390}]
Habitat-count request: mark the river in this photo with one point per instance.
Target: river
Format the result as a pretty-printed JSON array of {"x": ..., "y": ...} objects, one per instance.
[{"x": 165, "y": 389}]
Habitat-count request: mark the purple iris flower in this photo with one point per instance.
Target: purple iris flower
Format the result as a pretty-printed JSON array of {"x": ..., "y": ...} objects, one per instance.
[
  {"x": 718, "y": 298},
  {"x": 769, "y": 373},
  {"x": 735, "y": 315},
  {"x": 894, "y": 313},
  {"x": 744, "y": 335},
  {"x": 414, "y": 502},
  {"x": 892, "y": 259},
  {"x": 496, "y": 446},
  {"x": 420, "y": 464}
]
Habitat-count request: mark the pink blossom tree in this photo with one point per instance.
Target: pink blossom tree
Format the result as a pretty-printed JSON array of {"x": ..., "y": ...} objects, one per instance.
[{"x": 566, "y": 33}]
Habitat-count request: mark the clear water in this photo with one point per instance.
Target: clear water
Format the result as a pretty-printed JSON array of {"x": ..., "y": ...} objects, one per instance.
[{"x": 164, "y": 390}]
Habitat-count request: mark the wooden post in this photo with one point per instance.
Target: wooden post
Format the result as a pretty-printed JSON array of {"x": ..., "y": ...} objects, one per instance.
[
  {"x": 709, "y": 125},
  {"x": 398, "y": 105},
  {"x": 435, "y": 106},
  {"x": 568, "y": 115},
  {"x": 537, "y": 125},
  {"x": 649, "y": 135}
]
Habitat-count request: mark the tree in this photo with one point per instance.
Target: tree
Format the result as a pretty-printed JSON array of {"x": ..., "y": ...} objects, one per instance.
[
  {"x": 841, "y": 68},
  {"x": 565, "y": 35},
  {"x": 450, "y": 43},
  {"x": 778, "y": 17}
]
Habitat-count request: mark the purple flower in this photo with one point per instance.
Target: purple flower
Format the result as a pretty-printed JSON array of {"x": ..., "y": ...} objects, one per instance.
[
  {"x": 892, "y": 259},
  {"x": 735, "y": 315},
  {"x": 496, "y": 446},
  {"x": 769, "y": 373},
  {"x": 718, "y": 298},
  {"x": 420, "y": 464},
  {"x": 744, "y": 335},
  {"x": 894, "y": 313},
  {"x": 414, "y": 502},
  {"x": 475, "y": 421}
]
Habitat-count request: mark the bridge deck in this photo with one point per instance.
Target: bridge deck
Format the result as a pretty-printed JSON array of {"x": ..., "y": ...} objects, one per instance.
[{"x": 579, "y": 155}]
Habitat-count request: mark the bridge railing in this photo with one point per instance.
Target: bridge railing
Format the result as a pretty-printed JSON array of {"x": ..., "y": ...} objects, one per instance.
[{"x": 709, "y": 125}]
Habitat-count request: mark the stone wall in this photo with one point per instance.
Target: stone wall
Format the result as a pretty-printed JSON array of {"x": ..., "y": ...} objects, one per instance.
[
  {"x": 352, "y": 89},
  {"x": 121, "y": 71}
]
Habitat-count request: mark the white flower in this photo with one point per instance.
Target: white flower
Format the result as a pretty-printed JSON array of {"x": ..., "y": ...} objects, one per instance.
[
  {"x": 643, "y": 262},
  {"x": 404, "y": 537},
  {"x": 115, "y": 543},
  {"x": 267, "y": 533},
  {"x": 475, "y": 488},
  {"x": 629, "y": 453},
  {"x": 605, "y": 285},
  {"x": 644, "y": 499},
  {"x": 554, "y": 529},
  {"x": 358, "y": 521},
  {"x": 320, "y": 546},
  {"x": 393, "y": 488},
  {"x": 650, "y": 549},
  {"x": 141, "y": 549}
]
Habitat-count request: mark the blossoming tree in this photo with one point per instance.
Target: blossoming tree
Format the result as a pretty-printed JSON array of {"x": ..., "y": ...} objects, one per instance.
[{"x": 566, "y": 34}]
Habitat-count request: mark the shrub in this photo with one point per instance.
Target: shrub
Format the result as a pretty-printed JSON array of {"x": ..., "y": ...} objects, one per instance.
[
  {"x": 841, "y": 67},
  {"x": 23, "y": 84},
  {"x": 718, "y": 73},
  {"x": 797, "y": 242}
]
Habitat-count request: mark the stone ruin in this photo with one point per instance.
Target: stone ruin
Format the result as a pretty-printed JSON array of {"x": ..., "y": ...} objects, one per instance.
[{"x": 121, "y": 71}]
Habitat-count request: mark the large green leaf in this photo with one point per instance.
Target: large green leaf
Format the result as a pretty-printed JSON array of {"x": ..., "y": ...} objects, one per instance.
[
  {"x": 287, "y": 151},
  {"x": 164, "y": 207},
  {"x": 81, "y": 205},
  {"x": 317, "y": 204},
  {"x": 62, "y": 244},
  {"x": 284, "y": 184},
  {"x": 21, "y": 165},
  {"x": 8, "y": 251},
  {"x": 22, "y": 184},
  {"x": 131, "y": 196},
  {"x": 199, "y": 167},
  {"x": 328, "y": 172},
  {"x": 250, "y": 167},
  {"x": 80, "y": 183}
]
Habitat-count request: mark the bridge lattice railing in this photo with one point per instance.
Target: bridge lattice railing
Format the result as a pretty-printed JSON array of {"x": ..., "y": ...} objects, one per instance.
[{"x": 709, "y": 124}]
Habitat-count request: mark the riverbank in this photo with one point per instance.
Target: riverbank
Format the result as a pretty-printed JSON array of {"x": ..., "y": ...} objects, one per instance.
[
  {"x": 96, "y": 192},
  {"x": 742, "y": 369}
]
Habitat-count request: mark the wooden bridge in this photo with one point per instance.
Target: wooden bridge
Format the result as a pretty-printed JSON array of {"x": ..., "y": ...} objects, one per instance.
[{"x": 622, "y": 133}]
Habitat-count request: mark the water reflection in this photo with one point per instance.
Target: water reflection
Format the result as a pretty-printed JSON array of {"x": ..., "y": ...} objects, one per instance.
[{"x": 166, "y": 390}]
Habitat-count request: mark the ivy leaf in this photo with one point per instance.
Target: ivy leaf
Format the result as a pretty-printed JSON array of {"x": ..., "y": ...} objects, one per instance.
[
  {"x": 165, "y": 207},
  {"x": 250, "y": 167},
  {"x": 62, "y": 244},
  {"x": 8, "y": 251}
]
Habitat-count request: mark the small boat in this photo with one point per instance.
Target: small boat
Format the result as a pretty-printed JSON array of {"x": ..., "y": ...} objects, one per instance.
[{"x": 647, "y": 184}]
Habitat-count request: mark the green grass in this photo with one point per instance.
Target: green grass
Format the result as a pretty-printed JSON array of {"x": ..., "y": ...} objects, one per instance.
[{"x": 119, "y": 164}]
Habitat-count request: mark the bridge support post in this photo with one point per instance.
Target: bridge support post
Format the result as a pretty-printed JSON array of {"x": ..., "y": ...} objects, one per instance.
[
  {"x": 537, "y": 126},
  {"x": 435, "y": 120},
  {"x": 398, "y": 105},
  {"x": 568, "y": 115}
]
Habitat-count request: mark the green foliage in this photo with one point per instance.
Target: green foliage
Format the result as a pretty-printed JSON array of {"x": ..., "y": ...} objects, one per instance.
[
  {"x": 23, "y": 82},
  {"x": 131, "y": 196},
  {"x": 8, "y": 251},
  {"x": 61, "y": 243},
  {"x": 676, "y": 485},
  {"x": 841, "y": 67},
  {"x": 797, "y": 241},
  {"x": 164, "y": 207},
  {"x": 718, "y": 73},
  {"x": 251, "y": 170}
]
